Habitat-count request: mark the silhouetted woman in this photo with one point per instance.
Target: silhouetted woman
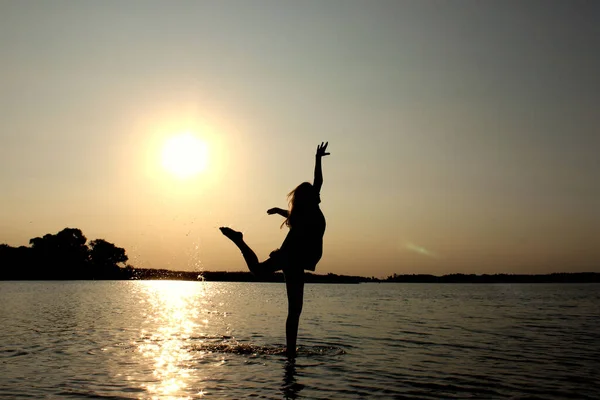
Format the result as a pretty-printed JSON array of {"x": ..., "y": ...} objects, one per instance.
[{"x": 302, "y": 248}]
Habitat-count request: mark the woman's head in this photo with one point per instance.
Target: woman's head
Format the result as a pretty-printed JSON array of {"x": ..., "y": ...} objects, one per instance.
[{"x": 303, "y": 198}]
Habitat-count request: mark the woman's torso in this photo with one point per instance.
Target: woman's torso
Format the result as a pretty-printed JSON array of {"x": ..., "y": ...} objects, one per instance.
[{"x": 304, "y": 242}]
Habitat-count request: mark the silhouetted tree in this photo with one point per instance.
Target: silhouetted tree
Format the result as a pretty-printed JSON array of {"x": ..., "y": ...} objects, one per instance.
[
  {"x": 105, "y": 258},
  {"x": 61, "y": 256},
  {"x": 12, "y": 260}
]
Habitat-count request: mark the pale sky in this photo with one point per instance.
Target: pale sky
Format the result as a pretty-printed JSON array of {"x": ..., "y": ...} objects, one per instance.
[{"x": 465, "y": 135}]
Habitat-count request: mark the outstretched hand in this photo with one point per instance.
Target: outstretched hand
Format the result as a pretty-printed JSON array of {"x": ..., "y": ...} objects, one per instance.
[
  {"x": 321, "y": 150},
  {"x": 272, "y": 211}
]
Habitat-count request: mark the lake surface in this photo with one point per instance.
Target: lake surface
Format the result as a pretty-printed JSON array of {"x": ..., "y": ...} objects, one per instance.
[{"x": 167, "y": 339}]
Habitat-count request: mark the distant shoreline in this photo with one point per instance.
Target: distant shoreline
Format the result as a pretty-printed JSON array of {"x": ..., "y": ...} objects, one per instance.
[
  {"x": 239, "y": 276},
  {"x": 224, "y": 276},
  {"x": 67, "y": 255}
]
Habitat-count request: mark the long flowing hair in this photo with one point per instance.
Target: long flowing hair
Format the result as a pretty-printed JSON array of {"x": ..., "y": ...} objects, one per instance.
[{"x": 301, "y": 200}]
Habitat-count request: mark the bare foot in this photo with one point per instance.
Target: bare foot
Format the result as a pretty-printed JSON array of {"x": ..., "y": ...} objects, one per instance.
[{"x": 234, "y": 236}]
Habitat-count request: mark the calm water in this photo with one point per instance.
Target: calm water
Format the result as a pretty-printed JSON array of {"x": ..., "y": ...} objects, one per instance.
[{"x": 160, "y": 339}]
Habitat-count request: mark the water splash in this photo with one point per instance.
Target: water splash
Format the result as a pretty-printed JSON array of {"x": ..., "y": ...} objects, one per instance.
[{"x": 233, "y": 347}]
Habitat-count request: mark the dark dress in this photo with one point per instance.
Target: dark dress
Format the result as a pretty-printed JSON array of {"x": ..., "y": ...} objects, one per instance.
[{"x": 303, "y": 245}]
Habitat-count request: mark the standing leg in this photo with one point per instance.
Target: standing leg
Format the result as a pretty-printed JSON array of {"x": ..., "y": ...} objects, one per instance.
[{"x": 294, "y": 283}]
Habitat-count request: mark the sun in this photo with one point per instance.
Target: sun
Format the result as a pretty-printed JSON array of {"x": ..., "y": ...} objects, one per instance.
[{"x": 184, "y": 155}]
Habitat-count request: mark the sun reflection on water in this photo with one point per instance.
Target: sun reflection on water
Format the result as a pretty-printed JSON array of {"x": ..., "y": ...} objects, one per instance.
[{"x": 172, "y": 317}]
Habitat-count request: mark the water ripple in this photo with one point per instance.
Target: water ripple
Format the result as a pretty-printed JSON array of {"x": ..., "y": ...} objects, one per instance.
[{"x": 139, "y": 340}]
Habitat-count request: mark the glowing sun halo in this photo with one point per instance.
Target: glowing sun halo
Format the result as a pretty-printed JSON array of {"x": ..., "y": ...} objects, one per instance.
[{"x": 184, "y": 155}]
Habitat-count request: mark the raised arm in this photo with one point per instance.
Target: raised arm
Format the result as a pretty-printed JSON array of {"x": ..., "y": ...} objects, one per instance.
[
  {"x": 277, "y": 210},
  {"x": 321, "y": 152}
]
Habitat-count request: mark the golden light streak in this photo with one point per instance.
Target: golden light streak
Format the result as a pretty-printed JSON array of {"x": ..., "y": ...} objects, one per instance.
[{"x": 173, "y": 310}]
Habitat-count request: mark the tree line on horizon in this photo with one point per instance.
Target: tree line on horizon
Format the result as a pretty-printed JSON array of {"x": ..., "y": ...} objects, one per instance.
[
  {"x": 246, "y": 276},
  {"x": 557, "y": 277},
  {"x": 61, "y": 256},
  {"x": 67, "y": 255}
]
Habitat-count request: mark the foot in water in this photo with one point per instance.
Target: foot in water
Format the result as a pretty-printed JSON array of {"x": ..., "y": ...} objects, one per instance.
[
  {"x": 291, "y": 354},
  {"x": 235, "y": 236}
]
